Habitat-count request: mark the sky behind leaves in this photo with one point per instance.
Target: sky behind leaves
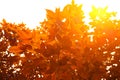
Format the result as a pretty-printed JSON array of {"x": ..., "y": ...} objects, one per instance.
[{"x": 32, "y": 12}]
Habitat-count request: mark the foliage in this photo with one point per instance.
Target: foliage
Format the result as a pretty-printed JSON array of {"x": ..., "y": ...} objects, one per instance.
[{"x": 62, "y": 48}]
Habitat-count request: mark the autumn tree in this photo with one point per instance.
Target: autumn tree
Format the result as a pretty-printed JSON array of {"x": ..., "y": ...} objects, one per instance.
[
  {"x": 106, "y": 39},
  {"x": 9, "y": 62},
  {"x": 62, "y": 48}
]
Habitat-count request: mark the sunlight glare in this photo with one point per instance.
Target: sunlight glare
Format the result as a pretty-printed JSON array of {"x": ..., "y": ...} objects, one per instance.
[
  {"x": 113, "y": 5},
  {"x": 31, "y": 12}
]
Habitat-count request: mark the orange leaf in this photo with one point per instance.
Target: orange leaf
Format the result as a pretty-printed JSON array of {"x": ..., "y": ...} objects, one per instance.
[{"x": 15, "y": 49}]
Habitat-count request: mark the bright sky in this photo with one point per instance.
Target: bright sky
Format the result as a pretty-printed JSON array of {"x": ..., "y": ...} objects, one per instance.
[{"x": 32, "y": 12}]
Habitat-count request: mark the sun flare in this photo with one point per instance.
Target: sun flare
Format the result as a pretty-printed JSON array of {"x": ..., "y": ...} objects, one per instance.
[{"x": 31, "y": 12}]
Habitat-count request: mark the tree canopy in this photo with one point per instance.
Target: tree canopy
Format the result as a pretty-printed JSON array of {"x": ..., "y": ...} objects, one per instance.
[{"x": 62, "y": 48}]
